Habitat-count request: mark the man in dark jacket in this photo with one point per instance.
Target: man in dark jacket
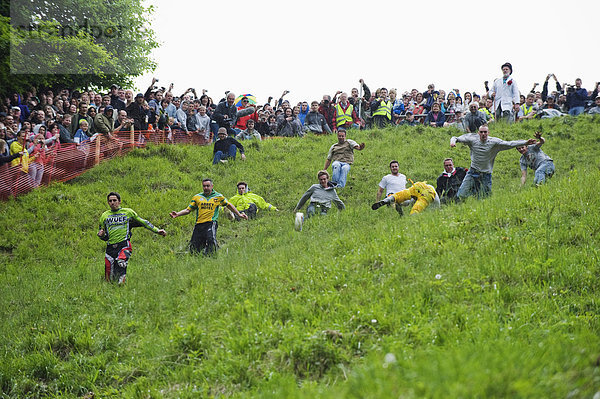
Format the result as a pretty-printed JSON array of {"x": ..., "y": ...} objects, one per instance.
[
  {"x": 326, "y": 109},
  {"x": 449, "y": 181},
  {"x": 104, "y": 122},
  {"x": 65, "y": 134},
  {"x": 576, "y": 98},
  {"x": 77, "y": 118},
  {"x": 115, "y": 101},
  {"x": 138, "y": 111},
  {"x": 226, "y": 147},
  {"x": 225, "y": 114}
]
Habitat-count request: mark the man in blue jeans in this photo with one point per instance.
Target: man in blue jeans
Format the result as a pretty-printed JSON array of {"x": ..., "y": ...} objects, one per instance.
[
  {"x": 532, "y": 156},
  {"x": 483, "y": 153},
  {"x": 340, "y": 157},
  {"x": 226, "y": 147}
]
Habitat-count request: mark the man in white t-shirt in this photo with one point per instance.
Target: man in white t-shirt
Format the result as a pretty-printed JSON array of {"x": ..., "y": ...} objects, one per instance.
[{"x": 392, "y": 183}]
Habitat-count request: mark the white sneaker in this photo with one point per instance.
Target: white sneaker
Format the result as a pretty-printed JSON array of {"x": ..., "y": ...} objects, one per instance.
[{"x": 299, "y": 221}]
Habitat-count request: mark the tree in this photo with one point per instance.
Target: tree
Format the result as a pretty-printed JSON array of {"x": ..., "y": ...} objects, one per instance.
[{"x": 74, "y": 43}]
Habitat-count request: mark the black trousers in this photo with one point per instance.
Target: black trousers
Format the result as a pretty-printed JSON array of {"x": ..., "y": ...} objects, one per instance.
[
  {"x": 251, "y": 212},
  {"x": 204, "y": 238}
]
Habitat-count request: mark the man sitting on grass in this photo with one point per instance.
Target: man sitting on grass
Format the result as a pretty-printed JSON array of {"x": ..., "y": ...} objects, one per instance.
[
  {"x": 248, "y": 203},
  {"x": 226, "y": 147}
]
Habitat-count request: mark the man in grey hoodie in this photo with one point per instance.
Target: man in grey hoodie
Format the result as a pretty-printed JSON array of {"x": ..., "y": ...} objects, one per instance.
[
  {"x": 321, "y": 196},
  {"x": 314, "y": 122}
]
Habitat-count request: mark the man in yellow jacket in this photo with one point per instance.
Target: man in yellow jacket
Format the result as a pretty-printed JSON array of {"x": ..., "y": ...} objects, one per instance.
[
  {"x": 424, "y": 194},
  {"x": 248, "y": 203}
]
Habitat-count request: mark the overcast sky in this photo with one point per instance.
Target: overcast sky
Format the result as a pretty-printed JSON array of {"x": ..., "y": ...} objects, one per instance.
[{"x": 315, "y": 47}]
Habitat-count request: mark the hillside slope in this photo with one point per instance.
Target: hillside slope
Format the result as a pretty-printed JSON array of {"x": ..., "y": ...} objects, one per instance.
[{"x": 491, "y": 298}]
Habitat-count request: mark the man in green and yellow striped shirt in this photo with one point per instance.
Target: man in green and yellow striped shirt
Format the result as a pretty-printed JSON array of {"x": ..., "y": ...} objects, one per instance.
[{"x": 206, "y": 205}]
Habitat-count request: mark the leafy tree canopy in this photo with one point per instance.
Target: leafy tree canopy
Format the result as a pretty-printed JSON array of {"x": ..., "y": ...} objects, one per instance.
[{"x": 74, "y": 43}]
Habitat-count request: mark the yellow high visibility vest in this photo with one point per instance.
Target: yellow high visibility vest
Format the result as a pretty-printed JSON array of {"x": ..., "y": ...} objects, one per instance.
[
  {"x": 343, "y": 117},
  {"x": 486, "y": 111},
  {"x": 385, "y": 109},
  {"x": 526, "y": 110}
]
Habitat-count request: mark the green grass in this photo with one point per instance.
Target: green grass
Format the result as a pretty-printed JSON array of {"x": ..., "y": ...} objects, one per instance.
[{"x": 349, "y": 307}]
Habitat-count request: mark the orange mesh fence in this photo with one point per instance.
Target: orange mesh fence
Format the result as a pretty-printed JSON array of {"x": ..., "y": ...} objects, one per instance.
[{"x": 63, "y": 162}]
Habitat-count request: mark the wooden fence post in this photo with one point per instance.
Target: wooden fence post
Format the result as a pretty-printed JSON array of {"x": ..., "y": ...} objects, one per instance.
[{"x": 98, "y": 139}]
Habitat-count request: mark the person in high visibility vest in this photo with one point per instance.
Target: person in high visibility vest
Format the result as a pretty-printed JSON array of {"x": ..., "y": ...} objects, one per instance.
[
  {"x": 422, "y": 193},
  {"x": 527, "y": 110},
  {"x": 382, "y": 109},
  {"x": 248, "y": 202},
  {"x": 488, "y": 110},
  {"x": 345, "y": 115}
]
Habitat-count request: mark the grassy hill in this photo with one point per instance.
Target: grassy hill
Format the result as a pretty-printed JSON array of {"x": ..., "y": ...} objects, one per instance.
[{"x": 491, "y": 298}]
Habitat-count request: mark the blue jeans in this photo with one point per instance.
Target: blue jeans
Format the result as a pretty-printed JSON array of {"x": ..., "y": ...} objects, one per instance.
[
  {"x": 475, "y": 182},
  {"x": 214, "y": 128},
  {"x": 574, "y": 111},
  {"x": 543, "y": 172},
  {"x": 312, "y": 207},
  {"x": 219, "y": 155},
  {"x": 339, "y": 173}
]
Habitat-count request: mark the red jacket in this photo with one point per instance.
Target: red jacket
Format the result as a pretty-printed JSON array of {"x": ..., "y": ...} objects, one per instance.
[{"x": 241, "y": 122}]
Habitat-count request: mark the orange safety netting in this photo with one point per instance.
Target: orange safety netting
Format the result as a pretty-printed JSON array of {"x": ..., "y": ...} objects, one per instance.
[{"x": 63, "y": 162}]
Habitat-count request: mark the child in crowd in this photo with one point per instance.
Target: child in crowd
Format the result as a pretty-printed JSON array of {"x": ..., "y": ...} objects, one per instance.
[
  {"x": 203, "y": 123},
  {"x": 82, "y": 134}
]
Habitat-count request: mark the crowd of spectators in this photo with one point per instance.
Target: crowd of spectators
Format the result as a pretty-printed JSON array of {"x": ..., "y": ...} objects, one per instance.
[{"x": 32, "y": 122}]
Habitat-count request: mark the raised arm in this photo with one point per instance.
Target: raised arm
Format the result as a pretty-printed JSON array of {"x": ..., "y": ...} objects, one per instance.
[
  {"x": 466, "y": 138},
  {"x": 367, "y": 91},
  {"x": 507, "y": 145},
  {"x": 541, "y": 140}
]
